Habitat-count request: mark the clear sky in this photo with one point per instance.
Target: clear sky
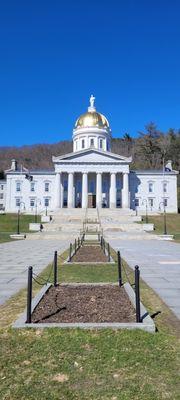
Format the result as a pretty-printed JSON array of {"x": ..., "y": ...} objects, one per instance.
[{"x": 54, "y": 54}]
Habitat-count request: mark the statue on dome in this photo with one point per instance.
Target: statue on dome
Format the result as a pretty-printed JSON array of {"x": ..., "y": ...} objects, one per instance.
[{"x": 92, "y": 100}]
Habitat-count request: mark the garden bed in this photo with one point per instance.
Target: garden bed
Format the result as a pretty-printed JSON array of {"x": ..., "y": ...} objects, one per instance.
[
  {"x": 84, "y": 303},
  {"x": 90, "y": 254}
]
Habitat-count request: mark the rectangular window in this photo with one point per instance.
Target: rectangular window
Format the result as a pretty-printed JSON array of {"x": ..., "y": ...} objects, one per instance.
[
  {"x": 32, "y": 202},
  {"x": 136, "y": 202},
  {"x": 150, "y": 187},
  {"x": 83, "y": 144},
  {"x": 46, "y": 186},
  {"x": 151, "y": 202},
  {"x": 17, "y": 202},
  {"x": 2, "y": 187},
  {"x": 165, "y": 187},
  {"x": 46, "y": 202},
  {"x": 92, "y": 142},
  {"x": 32, "y": 186},
  {"x": 101, "y": 144},
  {"x": 1, "y": 195},
  {"x": 18, "y": 186},
  {"x": 165, "y": 202}
]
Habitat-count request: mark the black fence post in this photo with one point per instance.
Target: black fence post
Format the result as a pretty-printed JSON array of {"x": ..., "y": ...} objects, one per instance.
[
  {"x": 70, "y": 252},
  {"x": 55, "y": 268},
  {"x": 137, "y": 293},
  {"x": 109, "y": 254},
  {"x": 119, "y": 268},
  {"x": 75, "y": 246},
  {"x": 29, "y": 295},
  {"x": 104, "y": 246}
]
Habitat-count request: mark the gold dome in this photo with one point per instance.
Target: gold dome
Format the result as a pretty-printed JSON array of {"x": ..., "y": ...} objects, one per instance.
[{"x": 92, "y": 119}]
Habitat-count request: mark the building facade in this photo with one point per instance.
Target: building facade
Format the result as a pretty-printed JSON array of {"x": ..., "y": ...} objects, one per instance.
[{"x": 91, "y": 176}]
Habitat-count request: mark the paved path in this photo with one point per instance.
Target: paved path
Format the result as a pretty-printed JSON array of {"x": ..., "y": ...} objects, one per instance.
[
  {"x": 159, "y": 263},
  {"x": 16, "y": 256}
]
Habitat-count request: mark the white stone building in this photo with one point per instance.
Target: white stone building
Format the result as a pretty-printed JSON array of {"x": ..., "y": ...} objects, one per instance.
[{"x": 91, "y": 176}]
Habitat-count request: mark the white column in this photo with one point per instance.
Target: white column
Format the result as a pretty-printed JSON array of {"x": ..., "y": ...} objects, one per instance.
[
  {"x": 125, "y": 191},
  {"x": 57, "y": 188},
  {"x": 99, "y": 190},
  {"x": 84, "y": 190},
  {"x": 61, "y": 192},
  {"x": 113, "y": 190},
  {"x": 70, "y": 190}
]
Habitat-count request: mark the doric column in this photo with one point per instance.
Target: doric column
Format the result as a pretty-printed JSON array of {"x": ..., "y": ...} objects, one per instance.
[
  {"x": 70, "y": 190},
  {"x": 125, "y": 191},
  {"x": 113, "y": 190},
  {"x": 58, "y": 193},
  {"x": 84, "y": 190},
  {"x": 99, "y": 190}
]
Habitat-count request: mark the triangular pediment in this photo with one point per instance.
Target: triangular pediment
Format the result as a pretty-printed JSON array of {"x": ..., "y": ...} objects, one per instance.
[{"x": 92, "y": 156}]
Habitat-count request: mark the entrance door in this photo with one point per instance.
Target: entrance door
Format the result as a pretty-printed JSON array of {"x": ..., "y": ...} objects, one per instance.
[{"x": 91, "y": 200}]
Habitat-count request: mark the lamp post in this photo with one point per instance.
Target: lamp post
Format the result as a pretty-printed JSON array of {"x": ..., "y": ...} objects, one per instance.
[
  {"x": 18, "y": 217},
  {"x": 36, "y": 204},
  {"x": 164, "y": 216},
  {"x": 146, "y": 203}
]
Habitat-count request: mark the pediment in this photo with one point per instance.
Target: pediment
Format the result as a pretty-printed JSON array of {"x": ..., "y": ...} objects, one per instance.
[{"x": 92, "y": 156}]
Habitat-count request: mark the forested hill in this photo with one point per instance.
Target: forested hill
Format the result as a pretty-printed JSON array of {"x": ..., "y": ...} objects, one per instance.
[{"x": 147, "y": 150}]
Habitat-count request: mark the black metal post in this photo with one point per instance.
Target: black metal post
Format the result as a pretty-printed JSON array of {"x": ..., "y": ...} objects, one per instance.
[
  {"x": 78, "y": 243},
  {"x": 18, "y": 222},
  {"x": 137, "y": 293},
  {"x": 104, "y": 246},
  {"x": 119, "y": 269},
  {"x": 70, "y": 252},
  {"x": 101, "y": 242},
  {"x": 165, "y": 225},
  {"x": 75, "y": 246},
  {"x": 29, "y": 295},
  {"x": 109, "y": 255},
  {"x": 55, "y": 268}
]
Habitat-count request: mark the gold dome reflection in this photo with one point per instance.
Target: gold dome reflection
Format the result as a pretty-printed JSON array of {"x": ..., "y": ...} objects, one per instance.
[{"x": 90, "y": 119}]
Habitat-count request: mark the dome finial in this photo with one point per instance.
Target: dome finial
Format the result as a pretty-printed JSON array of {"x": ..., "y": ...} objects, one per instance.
[{"x": 92, "y": 100}]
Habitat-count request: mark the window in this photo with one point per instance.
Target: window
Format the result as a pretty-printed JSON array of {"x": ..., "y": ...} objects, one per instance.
[
  {"x": 46, "y": 186},
  {"x": 151, "y": 187},
  {"x": 83, "y": 144},
  {"x": 151, "y": 202},
  {"x": 1, "y": 195},
  {"x": 136, "y": 202},
  {"x": 32, "y": 186},
  {"x": 92, "y": 142},
  {"x": 18, "y": 186},
  {"x": 32, "y": 202},
  {"x": 17, "y": 202},
  {"x": 165, "y": 202},
  {"x": 165, "y": 187},
  {"x": 2, "y": 187},
  {"x": 101, "y": 143},
  {"x": 46, "y": 202}
]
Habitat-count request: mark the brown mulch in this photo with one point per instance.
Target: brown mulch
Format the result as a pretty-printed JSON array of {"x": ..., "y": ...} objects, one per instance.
[
  {"x": 90, "y": 254},
  {"x": 84, "y": 304}
]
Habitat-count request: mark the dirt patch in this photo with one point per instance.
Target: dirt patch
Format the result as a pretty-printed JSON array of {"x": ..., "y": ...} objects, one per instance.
[
  {"x": 90, "y": 254},
  {"x": 84, "y": 304}
]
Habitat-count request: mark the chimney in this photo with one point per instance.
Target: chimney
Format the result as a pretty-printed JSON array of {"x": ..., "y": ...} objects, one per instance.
[{"x": 13, "y": 165}]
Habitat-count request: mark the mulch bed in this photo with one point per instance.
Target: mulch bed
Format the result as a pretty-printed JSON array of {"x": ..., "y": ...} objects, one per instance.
[
  {"x": 84, "y": 304},
  {"x": 90, "y": 254}
]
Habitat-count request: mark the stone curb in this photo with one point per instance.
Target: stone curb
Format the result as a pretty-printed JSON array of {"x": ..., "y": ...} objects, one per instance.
[{"x": 147, "y": 323}]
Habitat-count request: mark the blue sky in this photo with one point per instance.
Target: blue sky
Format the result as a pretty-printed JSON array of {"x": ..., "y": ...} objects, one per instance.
[{"x": 54, "y": 54}]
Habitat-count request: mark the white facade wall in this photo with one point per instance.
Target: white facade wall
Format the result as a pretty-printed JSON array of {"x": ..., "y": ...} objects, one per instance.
[
  {"x": 2, "y": 194},
  {"x": 25, "y": 194},
  {"x": 148, "y": 186}
]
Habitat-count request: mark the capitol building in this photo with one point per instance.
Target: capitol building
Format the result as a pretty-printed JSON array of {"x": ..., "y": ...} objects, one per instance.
[{"x": 90, "y": 176}]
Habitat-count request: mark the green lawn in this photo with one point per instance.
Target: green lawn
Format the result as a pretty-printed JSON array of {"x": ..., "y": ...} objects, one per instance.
[
  {"x": 89, "y": 365},
  {"x": 8, "y": 225},
  {"x": 173, "y": 224}
]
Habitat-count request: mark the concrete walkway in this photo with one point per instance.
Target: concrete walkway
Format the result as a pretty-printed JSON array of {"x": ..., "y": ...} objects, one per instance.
[
  {"x": 16, "y": 256},
  {"x": 159, "y": 263}
]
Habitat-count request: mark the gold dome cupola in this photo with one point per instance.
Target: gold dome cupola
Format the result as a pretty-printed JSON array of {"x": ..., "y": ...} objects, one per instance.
[{"x": 92, "y": 130}]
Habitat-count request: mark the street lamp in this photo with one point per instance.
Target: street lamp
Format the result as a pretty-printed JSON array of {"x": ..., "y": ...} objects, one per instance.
[
  {"x": 164, "y": 216},
  {"x": 18, "y": 216},
  {"x": 146, "y": 203},
  {"x": 36, "y": 204}
]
